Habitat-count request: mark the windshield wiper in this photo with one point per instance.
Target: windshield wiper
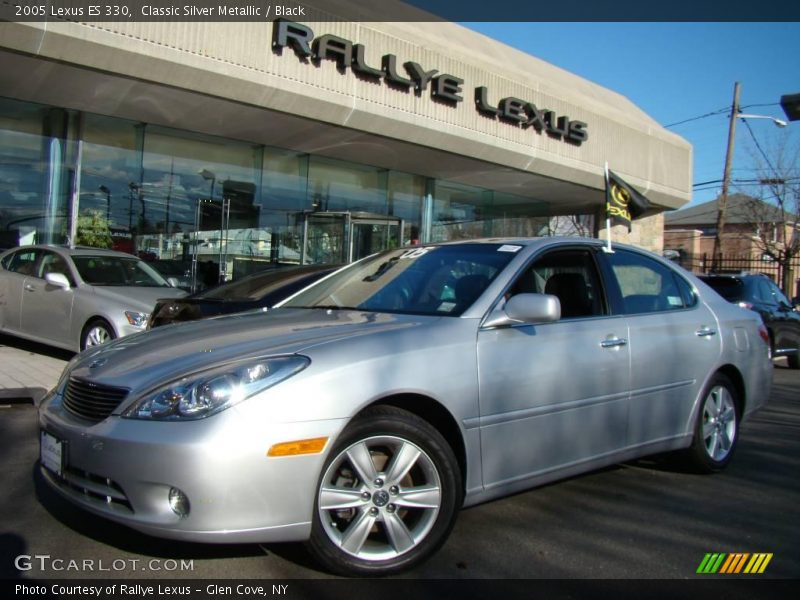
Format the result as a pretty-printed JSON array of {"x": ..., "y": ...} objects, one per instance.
[{"x": 381, "y": 270}]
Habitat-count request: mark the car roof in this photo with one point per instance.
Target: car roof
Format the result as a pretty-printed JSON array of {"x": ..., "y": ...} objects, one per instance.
[
  {"x": 77, "y": 250},
  {"x": 733, "y": 276}
]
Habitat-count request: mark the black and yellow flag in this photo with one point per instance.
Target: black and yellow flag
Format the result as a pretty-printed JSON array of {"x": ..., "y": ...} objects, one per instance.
[{"x": 623, "y": 203}]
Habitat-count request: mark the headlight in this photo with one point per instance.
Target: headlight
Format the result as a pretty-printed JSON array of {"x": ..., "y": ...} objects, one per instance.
[
  {"x": 204, "y": 394},
  {"x": 136, "y": 319}
]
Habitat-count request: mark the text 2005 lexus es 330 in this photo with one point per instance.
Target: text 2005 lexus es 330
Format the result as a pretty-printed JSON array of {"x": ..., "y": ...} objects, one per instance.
[{"x": 367, "y": 409}]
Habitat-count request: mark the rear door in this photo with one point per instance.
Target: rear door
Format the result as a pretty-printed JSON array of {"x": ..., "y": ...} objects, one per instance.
[{"x": 674, "y": 344}]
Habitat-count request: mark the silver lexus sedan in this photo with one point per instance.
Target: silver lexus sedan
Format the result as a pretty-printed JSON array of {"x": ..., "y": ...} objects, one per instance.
[
  {"x": 74, "y": 298},
  {"x": 367, "y": 409}
]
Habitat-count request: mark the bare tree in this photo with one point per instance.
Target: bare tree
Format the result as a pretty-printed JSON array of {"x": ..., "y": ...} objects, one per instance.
[
  {"x": 571, "y": 225},
  {"x": 774, "y": 210}
]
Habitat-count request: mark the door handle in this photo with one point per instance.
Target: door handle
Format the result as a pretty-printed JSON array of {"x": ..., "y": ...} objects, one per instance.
[
  {"x": 705, "y": 332},
  {"x": 29, "y": 287},
  {"x": 613, "y": 342}
]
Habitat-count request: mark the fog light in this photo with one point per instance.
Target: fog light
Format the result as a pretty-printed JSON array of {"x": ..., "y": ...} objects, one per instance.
[{"x": 178, "y": 502}]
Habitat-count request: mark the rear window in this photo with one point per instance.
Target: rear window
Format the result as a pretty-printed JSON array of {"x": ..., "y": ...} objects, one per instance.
[{"x": 730, "y": 288}]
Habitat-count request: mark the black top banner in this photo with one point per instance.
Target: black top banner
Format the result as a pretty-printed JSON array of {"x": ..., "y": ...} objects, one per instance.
[{"x": 392, "y": 10}]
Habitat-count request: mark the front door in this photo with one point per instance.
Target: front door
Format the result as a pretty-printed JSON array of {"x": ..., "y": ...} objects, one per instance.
[
  {"x": 46, "y": 308},
  {"x": 554, "y": 395}
]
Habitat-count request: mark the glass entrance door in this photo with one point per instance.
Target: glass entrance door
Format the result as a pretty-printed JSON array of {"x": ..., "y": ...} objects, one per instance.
[
  {"x": 342, "y": 237},
  {"x": 370, "y": 236},
  {"x": 326, "y": 238}
]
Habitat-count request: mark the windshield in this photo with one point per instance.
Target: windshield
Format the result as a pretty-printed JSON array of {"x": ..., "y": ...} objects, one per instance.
[
  {"x": 430, "y": 280},
  {"x": 117, "y": 271}
]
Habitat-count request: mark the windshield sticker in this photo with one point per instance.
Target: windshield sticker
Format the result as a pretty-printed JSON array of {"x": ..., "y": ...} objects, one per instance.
[
  {"x": 509, "y": 248},
  {"x": 415, "y": 253}
]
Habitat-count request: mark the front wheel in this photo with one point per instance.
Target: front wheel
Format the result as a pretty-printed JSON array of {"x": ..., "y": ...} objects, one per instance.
[
  {"x": 717, "y": 427},
  {"x": 388, "y": 495},
  {"x": 95, "y": 333}
]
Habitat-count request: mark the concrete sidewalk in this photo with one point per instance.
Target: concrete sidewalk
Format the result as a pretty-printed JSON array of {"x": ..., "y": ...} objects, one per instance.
[{"x": 28, "y": 370}]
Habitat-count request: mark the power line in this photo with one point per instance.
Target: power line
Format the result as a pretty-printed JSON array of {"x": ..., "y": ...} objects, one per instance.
[
  {"x": 720, "y": 111},
  {"x": 711, "y": 114}
]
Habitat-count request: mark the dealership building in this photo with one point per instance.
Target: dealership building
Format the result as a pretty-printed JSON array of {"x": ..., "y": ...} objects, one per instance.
[{"x": 254, "y": 142}]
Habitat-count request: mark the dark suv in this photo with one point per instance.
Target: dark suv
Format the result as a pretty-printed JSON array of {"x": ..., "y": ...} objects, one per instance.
[{"x": 759, "y": 293}]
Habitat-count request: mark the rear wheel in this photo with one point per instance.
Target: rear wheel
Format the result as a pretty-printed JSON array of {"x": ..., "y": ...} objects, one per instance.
[
  {"x": 388, "y": 495},
  {"x": 96, "y": 332},
  {"x": 717, "y": 427}
]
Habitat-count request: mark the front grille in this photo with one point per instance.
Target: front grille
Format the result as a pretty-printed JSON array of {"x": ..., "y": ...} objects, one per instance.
[{"x": 92, "y": 401}]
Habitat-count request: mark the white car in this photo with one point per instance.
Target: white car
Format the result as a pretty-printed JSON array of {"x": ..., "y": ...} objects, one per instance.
[{"x": 74, "y": 298}]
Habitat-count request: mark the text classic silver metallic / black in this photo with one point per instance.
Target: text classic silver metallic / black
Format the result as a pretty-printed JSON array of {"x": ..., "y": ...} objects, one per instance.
[{"x": 367, "y": 409}]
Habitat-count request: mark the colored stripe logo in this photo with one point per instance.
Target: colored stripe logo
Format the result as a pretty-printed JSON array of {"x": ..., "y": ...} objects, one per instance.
[{"x": 734, "y": 563}]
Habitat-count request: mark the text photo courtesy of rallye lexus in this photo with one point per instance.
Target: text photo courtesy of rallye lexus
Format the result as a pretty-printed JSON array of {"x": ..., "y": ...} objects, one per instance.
[
  {"x": 361, "y": 413},
  {"x": 74, "y": 298}
]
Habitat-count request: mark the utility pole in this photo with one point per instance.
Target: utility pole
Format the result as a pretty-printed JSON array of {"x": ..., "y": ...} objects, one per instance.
[{"x": 722, "y": 203}]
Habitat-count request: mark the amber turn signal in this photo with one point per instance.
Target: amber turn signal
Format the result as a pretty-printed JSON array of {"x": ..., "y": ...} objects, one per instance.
[{"x": 312, "y": 446}]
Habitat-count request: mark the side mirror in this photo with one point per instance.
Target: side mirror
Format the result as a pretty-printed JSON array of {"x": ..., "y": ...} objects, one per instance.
[
  {"x": 57, "y": 280},
  {"x": 525, "y": 309},
  {"x": 173, "y": 282}
]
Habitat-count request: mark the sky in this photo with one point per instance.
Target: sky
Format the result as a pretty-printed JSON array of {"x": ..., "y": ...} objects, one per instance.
[{"x": 678, "y": 71}]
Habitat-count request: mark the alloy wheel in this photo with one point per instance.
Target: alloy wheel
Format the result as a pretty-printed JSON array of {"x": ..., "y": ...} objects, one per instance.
[{"x": 379, "y": 498}]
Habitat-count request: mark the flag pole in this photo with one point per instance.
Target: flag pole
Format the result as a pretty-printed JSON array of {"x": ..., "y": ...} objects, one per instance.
[{"x": 608, "y": 218}]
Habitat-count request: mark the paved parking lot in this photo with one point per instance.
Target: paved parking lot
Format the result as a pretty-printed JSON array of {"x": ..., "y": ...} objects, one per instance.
[{"x": 646, "y": 519}]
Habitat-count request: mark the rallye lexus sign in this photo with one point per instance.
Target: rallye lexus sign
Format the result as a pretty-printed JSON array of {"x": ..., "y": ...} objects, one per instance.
[{"x": 443, "y": 86}]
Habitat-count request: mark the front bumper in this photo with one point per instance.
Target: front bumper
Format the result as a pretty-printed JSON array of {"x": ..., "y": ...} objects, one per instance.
[{"x": 124, "y": 469}]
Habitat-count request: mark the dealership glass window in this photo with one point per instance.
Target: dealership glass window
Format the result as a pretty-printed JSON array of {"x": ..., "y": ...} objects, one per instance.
[
  {"x": 509, "y": 215},
  {"x": 337, "y": 186},
  {"x": 466, "y": 212},
  {"x": 179, "y": 200},
  {"x": 341, "y": 192},
  {"x": 404, "y": 195},
  {"x": 284, "y": 201},
  {"x": 110, "y": 171},
  {"x": 33, "y": 181},
  {"x": 458, "y": 212}
]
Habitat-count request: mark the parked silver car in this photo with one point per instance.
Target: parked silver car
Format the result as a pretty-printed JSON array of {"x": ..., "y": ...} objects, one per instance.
[
  {"x": 364, "y": 411},
  {"x": 74, "y": 298}
]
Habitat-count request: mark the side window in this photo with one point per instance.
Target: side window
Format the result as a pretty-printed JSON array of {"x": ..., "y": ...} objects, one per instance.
[
  {"x": 686, "y": 290},
  {"x": 23, "y": 262},
  {"x": 570, "y": 275},
  {"x": 778, "y": 295},
  {"x": 648, "y": 286},
  {"x": 54, "y": 263},
  {"x": 763, "y": 293}
]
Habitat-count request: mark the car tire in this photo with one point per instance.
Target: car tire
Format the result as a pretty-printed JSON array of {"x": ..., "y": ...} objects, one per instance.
[
  {"x": 387, "y": 496},
  {"x": 96, "y": 332},
  {"x": 793, "y": 360},
  {"x": 716, "y": 430}
]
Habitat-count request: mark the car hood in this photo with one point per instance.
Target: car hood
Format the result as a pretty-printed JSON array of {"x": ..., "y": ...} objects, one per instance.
[
  {"x": 137, "y": 298},
  {"x": 141, "y": 361}
]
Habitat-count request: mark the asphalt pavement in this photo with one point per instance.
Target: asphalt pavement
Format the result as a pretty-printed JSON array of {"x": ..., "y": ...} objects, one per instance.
[{"x": 646, "y": 519}]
